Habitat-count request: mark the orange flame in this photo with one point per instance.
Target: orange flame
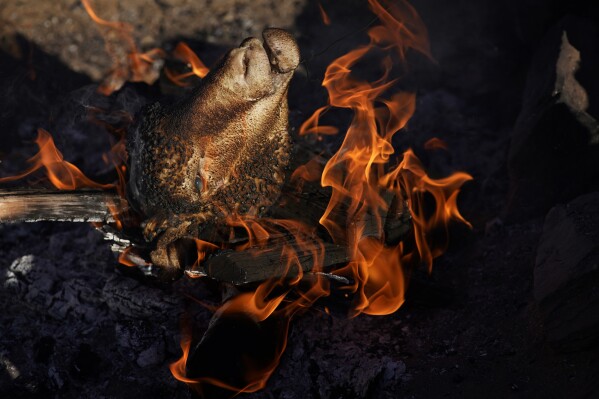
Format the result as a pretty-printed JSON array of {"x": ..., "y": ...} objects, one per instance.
[
  {"x": 134, "y": 66},
  {"x": 269, "y": 297},
  {"x": 358, "y": 173},
  {"x": 323, "y": 15},
  {"x": 311, "y": 126},
  {"x": 178, "y": 368},
  {"x": 185, "y": 54},
  {"x": 361, "y": 181},
  {"x": 62, "y": 174}
]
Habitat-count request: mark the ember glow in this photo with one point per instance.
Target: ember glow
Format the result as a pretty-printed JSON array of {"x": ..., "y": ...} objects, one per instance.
[{"x": 364, "y": 181}]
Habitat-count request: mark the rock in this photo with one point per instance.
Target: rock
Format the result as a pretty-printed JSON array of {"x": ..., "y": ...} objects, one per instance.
[
  {"x": 63, "y": 28},
  {"x": 566, "y": 275},
  {"x": 555, "y": 142}
]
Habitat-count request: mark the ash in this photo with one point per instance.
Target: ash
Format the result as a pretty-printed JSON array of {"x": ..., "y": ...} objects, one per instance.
[{"x": 502, "y": 312}]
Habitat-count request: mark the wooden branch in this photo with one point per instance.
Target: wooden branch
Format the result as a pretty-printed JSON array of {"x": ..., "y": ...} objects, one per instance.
[
  {"x": 249, "y": 266},
  {"x": 255, "y": 264},
  {"x": 30, "y": 205}
]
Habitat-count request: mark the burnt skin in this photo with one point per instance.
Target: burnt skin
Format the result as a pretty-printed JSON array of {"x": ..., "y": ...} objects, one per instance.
[{"x": 221, "y": 150}]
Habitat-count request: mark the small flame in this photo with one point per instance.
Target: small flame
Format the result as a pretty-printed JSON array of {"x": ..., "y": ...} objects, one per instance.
[
  {"x": 62, "y": 174},
  {"x": 311, "y": 126},
  {"x": 184, "y": 53},
  {"x": 309, "y": 172},
  {"x": 134, "y": 66},
  {"x": 178, "y": 368},
  {"x": 203, "y": 248},
  {"x": 323, "y": 15}
]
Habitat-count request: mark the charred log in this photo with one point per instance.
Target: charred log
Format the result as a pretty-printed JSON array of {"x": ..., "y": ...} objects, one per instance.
[{"x": 256, "y": 264}]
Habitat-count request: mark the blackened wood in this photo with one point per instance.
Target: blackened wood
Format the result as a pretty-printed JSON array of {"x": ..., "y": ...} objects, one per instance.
[
  {"x": 30, "y": 205},
  {"x": 256, "y": 264}
]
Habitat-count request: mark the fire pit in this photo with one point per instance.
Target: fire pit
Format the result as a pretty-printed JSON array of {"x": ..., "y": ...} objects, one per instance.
[{"x": 256, "y": 239}]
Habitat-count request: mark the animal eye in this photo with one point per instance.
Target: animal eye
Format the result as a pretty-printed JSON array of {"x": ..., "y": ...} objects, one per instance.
[{"x": 199, "y": 183}]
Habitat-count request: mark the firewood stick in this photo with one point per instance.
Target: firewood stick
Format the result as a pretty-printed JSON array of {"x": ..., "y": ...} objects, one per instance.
[
  {"x": 255, "y": 265},
  {"x": 32, "y": 205}
]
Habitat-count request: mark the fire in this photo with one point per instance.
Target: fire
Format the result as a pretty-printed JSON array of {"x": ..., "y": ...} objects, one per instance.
[
  {"x": 134, "y": 66},
  {"x": 362, "y": 180},
  {"x": 62, "y": 174},
  {"x": 323, "y": 15},
  {"x": 311, "y": 125},
  {"x": 184, "y": 53},
  {"x": 270, "y": 299},
  {"x": 203, "y": 248},
  {"x": 137, "y": 66}
]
